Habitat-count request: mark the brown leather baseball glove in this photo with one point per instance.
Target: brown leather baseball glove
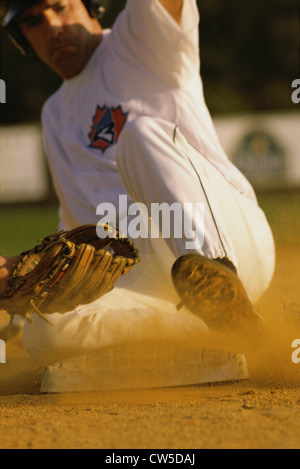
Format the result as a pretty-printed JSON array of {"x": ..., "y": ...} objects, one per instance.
[{"x": 68, "y": 269}]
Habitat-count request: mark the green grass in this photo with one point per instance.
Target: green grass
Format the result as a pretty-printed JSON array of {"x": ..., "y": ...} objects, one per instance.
[
  {"x": 23, "y": 226},
  {"x": 283, "y": 213}
]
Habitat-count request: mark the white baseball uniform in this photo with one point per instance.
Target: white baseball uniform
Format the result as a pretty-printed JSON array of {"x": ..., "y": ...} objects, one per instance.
[{"x": 134, "y": 122}]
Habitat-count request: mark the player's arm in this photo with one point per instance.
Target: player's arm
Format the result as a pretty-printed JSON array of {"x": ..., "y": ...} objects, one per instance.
[{"x": 174, "y": 7}]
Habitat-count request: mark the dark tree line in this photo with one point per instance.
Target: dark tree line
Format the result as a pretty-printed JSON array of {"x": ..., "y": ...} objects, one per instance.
[{"x": 249, "y": 58}]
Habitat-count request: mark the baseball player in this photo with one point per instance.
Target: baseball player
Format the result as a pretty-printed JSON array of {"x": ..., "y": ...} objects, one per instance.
[{"x": 129, "y": 132}]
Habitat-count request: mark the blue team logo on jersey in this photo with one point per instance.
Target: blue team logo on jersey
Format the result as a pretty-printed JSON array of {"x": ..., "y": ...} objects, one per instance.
[{"x": 107, "y": 126}]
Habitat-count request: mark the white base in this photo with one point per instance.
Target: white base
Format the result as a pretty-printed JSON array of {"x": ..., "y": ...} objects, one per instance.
[{"x": 138, "y": 366}]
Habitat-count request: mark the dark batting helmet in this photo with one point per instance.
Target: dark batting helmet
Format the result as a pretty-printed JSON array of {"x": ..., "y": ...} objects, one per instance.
[{"x": 10, "y": 23}]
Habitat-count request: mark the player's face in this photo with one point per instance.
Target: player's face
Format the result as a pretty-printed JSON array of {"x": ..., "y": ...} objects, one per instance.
[{"x": 62, "y": 34}]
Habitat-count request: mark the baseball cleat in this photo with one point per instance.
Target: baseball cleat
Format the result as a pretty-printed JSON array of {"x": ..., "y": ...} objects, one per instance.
[{"x": 211, "y": 289}]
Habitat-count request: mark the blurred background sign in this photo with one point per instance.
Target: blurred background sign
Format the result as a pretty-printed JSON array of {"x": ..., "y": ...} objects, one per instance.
[
  {"x": 23, "y": 171},
  {"x": 265, "y": 147}
]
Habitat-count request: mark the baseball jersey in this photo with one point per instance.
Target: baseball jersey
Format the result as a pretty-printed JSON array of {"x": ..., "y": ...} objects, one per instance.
[{"x": 146, "y": 65}]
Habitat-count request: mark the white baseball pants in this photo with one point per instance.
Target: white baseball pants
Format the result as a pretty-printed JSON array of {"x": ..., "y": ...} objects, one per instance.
[{"x": 157, "y": 165}]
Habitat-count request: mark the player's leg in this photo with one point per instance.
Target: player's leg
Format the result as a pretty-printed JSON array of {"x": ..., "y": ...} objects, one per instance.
[
  {"x": 157, "y": 168},
  {"x": 157, "y": 165},
  {"x": 147, "y": 158},
  {"x": 121, "y": 316}
]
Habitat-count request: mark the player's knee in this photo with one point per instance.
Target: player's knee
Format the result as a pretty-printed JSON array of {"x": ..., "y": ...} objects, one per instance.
[
  {"x": 144, "y": 138},
  {"x": 136, "y": 130},
  {"x": 135, "y": 137}
]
